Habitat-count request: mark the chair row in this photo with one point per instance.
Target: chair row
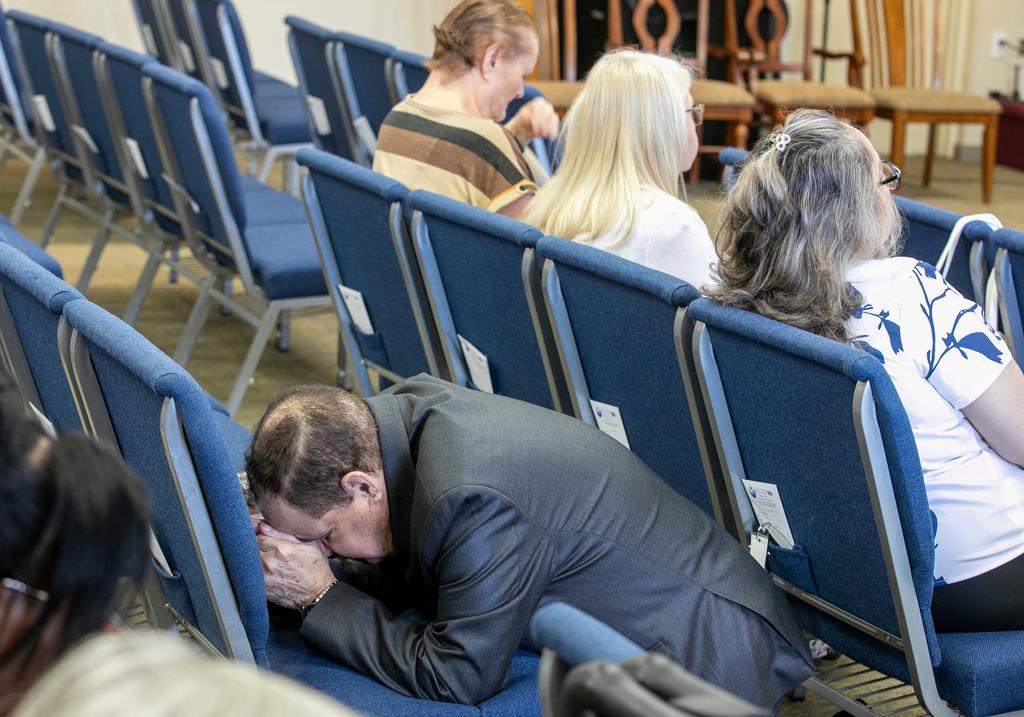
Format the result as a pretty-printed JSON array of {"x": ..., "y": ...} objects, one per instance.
[
  {"x": 144, "y": 138},
  {"x": 205, "y": 39},
  {"x": 640, "y": 354},
  {"x": 88, "y": 370}
]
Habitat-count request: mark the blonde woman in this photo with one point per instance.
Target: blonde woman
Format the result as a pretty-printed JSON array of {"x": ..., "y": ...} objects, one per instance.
[
  {"x": 627, "y": 139},
  {"x": 156, "y": 675},
  {"x": 808, "y": 236}
]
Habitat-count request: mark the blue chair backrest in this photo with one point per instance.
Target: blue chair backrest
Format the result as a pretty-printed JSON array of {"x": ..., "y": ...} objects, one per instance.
[
  {"x": 354, "y": 211},
  {"x": 407, "y": 72},
  {"x": 928, "y": 228},
  {"x": 577, "y": 637},
  {"x": 12, "y": 101},
  {"x": 135, "y": 380},
  {"x": 614, "y": 323},
  {"x": 315, "y": 56},
  {"x": 474, "y": 265},
  {"x": 120, "y": 72},
  {"x": 150, "y": 15},
  {"x": 787, "y": 398},
  {"x": 32, "y": 34},
  {"x": 215, "y": 17},
  {"x": 1009, "y": 268},
  {"x": 35, "y": 301},
  {"x": 200, "y": 147},
  {"x": 366, "y": 62},
  {"x": 189, "y": 53},
  {"x": 75, "y": 51}
]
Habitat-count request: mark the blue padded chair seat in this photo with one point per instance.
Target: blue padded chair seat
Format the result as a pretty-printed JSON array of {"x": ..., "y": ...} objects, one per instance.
[
  {"x": 289, "y": 656},
  {"x": 268, "y": 86},
  {"x": 29, "y": 248},
  {"x": 266, "y": 205},
  {"x": 282, "y": 116},
  {"x": 284, "y": 260},
  {"x": 982, "y": 673}
]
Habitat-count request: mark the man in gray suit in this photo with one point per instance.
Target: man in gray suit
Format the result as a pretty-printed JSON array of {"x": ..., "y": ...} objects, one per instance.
[{"x": 482, "y": 509}]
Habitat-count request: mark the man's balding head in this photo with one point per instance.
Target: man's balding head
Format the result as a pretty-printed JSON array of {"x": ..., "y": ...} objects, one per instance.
[{"x": 309, "y": 437}]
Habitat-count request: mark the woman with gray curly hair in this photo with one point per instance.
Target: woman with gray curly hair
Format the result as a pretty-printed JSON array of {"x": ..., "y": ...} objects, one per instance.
[{"x": 808, "y": 238}]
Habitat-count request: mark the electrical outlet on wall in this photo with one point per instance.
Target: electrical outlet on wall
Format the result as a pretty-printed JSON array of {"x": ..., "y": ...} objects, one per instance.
[{"x": 999, "y": 45}]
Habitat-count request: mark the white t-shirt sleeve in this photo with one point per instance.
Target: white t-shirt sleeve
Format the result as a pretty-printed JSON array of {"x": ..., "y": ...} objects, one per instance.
[
  {"x": 683, "y": 245},
  {"x": 950, "y": 342}
]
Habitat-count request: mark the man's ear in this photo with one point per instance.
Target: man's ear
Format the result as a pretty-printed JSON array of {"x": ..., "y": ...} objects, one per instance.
[
  {"x": 357, "y": 483},
  {"x": 489, "y": 60}
]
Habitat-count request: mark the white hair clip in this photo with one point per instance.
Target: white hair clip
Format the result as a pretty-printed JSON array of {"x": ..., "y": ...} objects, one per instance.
[{"x": 779, "y": 141}]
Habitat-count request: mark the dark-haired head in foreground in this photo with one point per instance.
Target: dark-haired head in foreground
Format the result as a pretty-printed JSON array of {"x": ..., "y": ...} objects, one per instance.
[{"x": 73, "y": 522}]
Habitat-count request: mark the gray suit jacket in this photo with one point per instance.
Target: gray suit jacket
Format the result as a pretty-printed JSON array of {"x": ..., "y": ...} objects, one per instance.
[{"x": 498, "y": 507}]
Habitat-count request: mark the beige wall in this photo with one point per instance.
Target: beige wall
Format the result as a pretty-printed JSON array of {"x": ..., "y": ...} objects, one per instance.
[
  {"x": 406, "y": 24},
  {"x": 403, "y": 23}
]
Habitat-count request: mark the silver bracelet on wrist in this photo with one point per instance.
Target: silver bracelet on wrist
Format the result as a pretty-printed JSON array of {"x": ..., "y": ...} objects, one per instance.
[{"x": 305, "y": 609}]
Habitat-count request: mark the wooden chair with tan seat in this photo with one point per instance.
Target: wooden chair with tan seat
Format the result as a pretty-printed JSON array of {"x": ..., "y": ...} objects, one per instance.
[
  {"x": 904, "y": 63},
  {"x": 656, "y": 26},
  {"x": 765, "y": 23}
]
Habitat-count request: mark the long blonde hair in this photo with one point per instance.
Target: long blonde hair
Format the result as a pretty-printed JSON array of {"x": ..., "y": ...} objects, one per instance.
[
  {"x": 625, "y": 133},
  {"x": 799, "y": 214}
]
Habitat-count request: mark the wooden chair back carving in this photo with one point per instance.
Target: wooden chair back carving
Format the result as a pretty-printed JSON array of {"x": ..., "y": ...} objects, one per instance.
[
  {"x": 667, "y": 41},
  {"x": 763, "y": 54},
  {"x": 904, "y": 42}
]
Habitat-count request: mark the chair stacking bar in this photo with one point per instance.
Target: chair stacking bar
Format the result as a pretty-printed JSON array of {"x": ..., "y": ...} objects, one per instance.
[
  {"x": 269, "y": 247},
  {"x": 32, "y": 302},
  {"x": 359, "y": 226},
  {"x": 822, "y": 424},
  {"x": 483, "y": 282},
  {"x": 615, "y": 325},
  {"x": 1009, "y": 273},
  {"x": 266, "y": 110},
  {"x": 315, "y": 55},
  {"x": 17, "y": 134}
]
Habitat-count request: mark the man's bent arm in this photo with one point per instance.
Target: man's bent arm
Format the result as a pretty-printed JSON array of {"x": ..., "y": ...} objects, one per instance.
[{"x": 492, "y": 566}]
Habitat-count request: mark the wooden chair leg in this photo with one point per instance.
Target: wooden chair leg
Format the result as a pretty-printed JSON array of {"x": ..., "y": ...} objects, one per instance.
[
  {"x": 929, "y": 156},
  {"x": 899, "y": 137},
  {"x": 988, "y": 157},
  {"x": 741, "y": 134}
]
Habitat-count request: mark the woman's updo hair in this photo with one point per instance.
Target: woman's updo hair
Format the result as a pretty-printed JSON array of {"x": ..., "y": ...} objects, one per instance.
[
  {"x": 471, "y": 26},
  {"x": 806, "y": 204}
]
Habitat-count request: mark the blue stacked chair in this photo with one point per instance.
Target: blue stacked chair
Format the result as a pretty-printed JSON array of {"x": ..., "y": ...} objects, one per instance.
[
  {"x": 157, "y": 36},
  {"x": 482, "y": 280},
  {"x": 366, "y": 61},
  {"x": 17, "y": 134},
  {"x": 822, "y": 422},
  {"x": 361, "y": 236},
  {"x": 315, "y": 55},
  {"x": 185, "y": 44},
  {"x": 615, "y": 324},
  {"x": 32, "y": 302},
  {"x": 149, "y": 407},
  {"x": 1008, "y": 267},
  {"x": 73, "y": 130},
  {"x": 268, "y": 110},
  {"x": 406, "y": 72},
  {"x": 11, "y": 236},
  {"x": 266, "y": 243}
]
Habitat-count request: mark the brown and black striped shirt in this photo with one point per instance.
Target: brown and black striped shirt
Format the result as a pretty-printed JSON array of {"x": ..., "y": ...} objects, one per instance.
[{"x": 474, "y": 160}]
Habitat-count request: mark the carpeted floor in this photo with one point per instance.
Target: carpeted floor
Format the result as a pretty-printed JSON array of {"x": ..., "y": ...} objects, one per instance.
[{"x": 314, "y": 339}]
